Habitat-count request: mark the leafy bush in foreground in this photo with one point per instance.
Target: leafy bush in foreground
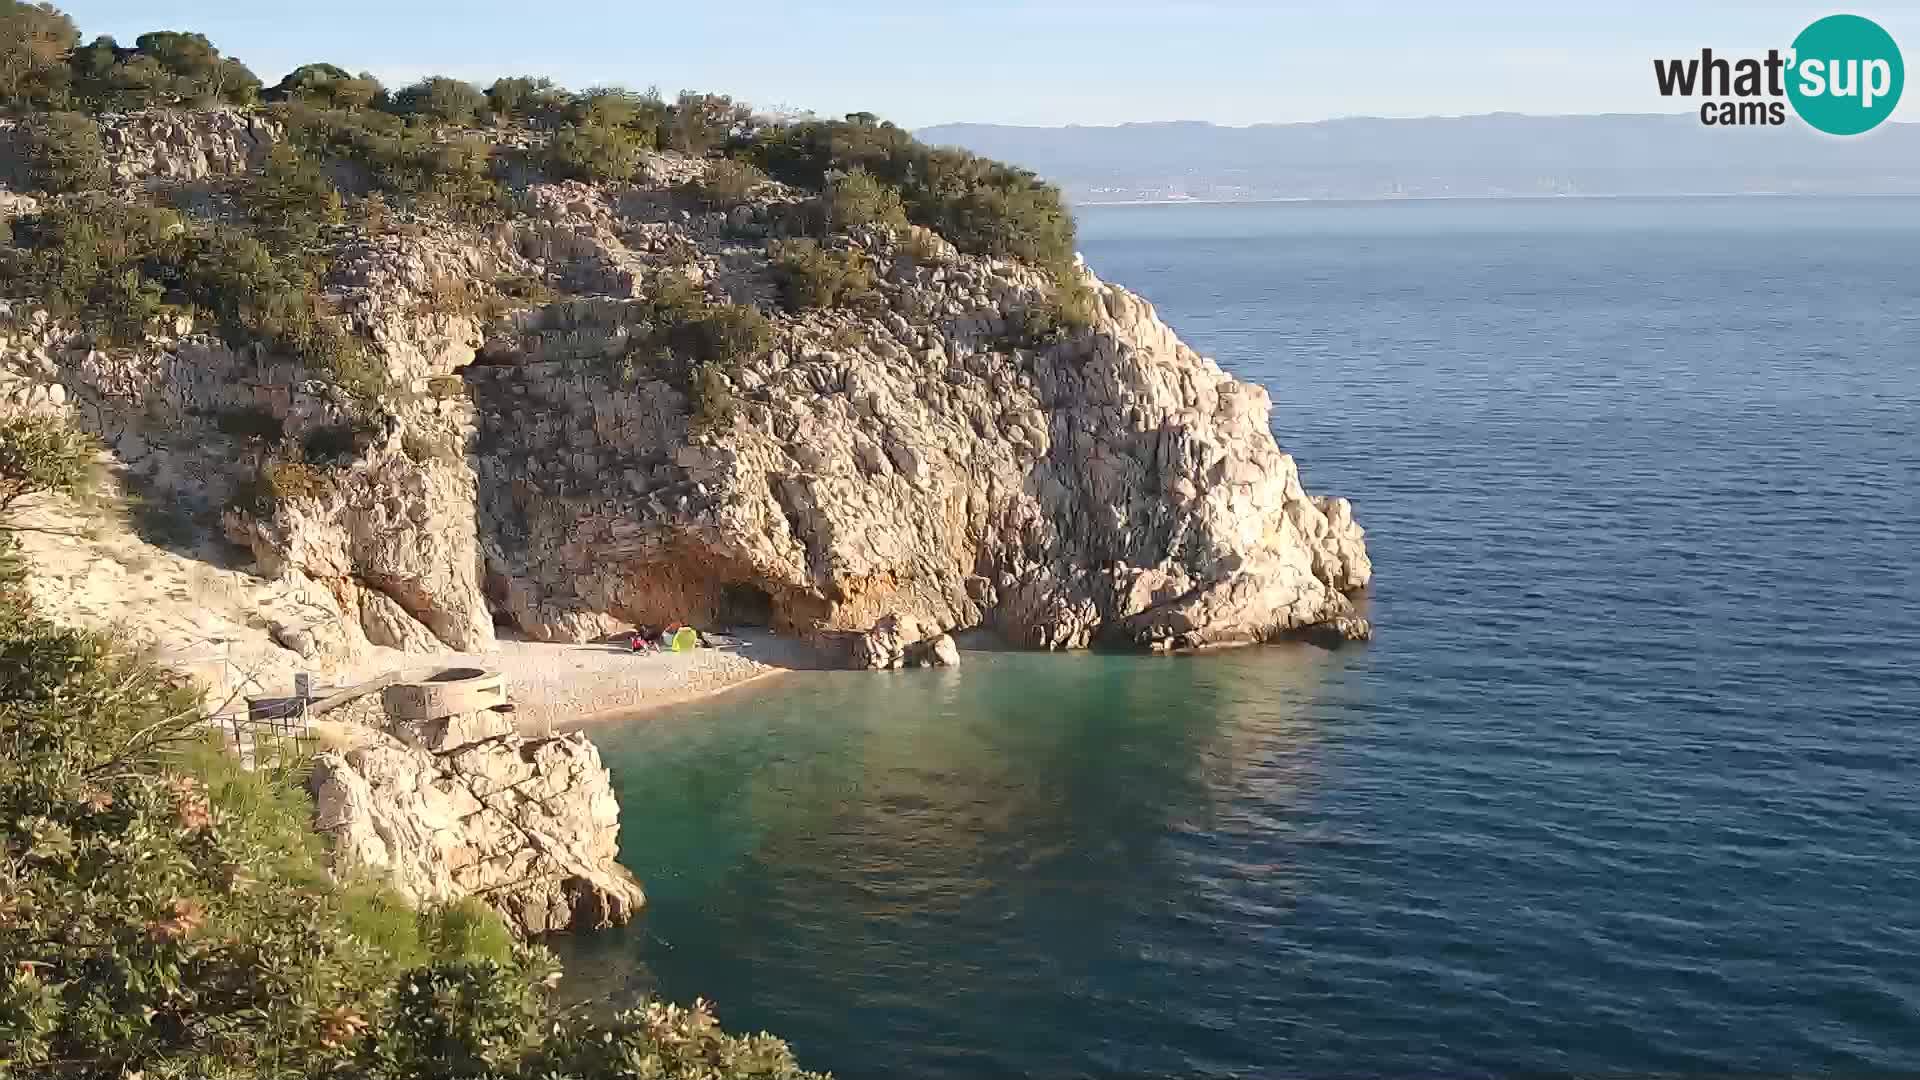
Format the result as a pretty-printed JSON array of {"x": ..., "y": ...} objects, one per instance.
[
  {"x": 164, "y": 912},
  {"x": 40, "y": 456}
]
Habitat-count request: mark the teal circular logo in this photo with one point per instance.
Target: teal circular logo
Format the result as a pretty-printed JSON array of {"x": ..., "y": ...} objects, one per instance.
[{"x": 1846, "y": 75}]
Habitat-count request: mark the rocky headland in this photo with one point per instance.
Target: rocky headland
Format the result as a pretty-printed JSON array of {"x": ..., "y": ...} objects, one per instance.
[{"x": 884, "y": 473}]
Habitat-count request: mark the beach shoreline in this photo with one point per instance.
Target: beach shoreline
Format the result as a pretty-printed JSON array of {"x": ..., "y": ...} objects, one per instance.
[{"x": 564, "y": 686}]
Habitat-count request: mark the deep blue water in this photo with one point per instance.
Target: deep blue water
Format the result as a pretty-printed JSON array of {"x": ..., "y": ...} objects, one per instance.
[{"x": 1629, "y": 781}]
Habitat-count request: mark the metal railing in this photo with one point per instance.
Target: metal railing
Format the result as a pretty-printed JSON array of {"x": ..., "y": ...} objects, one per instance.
[{"x": 267, "y": 732}]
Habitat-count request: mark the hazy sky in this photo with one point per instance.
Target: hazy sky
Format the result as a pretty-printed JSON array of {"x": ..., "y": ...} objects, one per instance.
[{"x": 1073, "y": 61}]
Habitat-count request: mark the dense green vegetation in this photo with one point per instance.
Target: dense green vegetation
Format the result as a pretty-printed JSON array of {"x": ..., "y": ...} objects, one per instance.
[
  {"x": 165, "y": 913},
  {"x": 981, "y": 206},
  {"x": 120, "y": 268},
  {"x": 416, "y": 148}
]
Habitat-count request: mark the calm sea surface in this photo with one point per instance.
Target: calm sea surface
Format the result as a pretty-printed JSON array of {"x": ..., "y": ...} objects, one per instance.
[{"x": 1629, "y": 781}]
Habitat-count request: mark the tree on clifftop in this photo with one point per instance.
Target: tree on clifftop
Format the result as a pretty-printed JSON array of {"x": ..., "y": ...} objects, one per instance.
[
  {"x": 442, "y": 99},
  {"x": 34, "y": 42},
  {"x": 328, "y": 85}
]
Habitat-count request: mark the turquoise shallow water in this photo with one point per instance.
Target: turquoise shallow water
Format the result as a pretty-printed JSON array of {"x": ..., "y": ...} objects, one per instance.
[{"x": 1630, "y": 780}]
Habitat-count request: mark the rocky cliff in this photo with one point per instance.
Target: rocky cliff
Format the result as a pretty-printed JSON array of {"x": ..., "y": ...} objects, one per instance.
[
  {"x": 881, "y": 474},
  {"x": 470, "y": 808}
]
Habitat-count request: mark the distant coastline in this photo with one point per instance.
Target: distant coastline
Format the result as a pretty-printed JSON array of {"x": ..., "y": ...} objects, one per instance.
[{"x": 1515, "y": 197}]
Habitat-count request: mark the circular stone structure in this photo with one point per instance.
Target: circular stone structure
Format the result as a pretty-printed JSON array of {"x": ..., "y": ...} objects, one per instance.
[{"x": 432, "y": 694}]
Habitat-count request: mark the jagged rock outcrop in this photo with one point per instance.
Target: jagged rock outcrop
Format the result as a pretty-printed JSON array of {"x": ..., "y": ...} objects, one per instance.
[
  {"x": 469, "y": 808},
  {"x": 185, "y": 145},
  {"x": 910, "y": 466}
]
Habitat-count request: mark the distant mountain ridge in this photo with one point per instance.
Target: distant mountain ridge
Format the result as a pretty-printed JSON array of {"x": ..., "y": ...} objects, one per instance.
[{"x": 1464, "y": 156}]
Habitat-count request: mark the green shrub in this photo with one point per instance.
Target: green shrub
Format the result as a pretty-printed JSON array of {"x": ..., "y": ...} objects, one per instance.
[
  {"x": 695, "y": 342},
  {"x": 115, "y": 268},
  {"x": 41, "y": 456},
  {"x": 856, "y": 199},
  {"x": 812, "y": 276},
  {"x": 699, "y": 123},
  {"x": 525, "y": 98},
  {"x": 406, "y": 164},
  {"x": 88, "y": 259},
  {"x": 726, "y": 184},
  {"x": 710, "y": 399},
  {"x": 724, "y": 334},
  {"x": 291, "y": 200},
  {"x": 63, "y": 153},
  {"x": 439, "y": 99},
  {"x": 979, "y": 205},
  {"x": 640, "y": 114},
  {"x": 1068, "y": 310},
  {"x": 592, "y": 153},
  {"x": 327, "y": 86}
]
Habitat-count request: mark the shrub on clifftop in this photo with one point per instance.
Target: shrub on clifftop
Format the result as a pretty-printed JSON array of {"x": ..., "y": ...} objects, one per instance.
[
  {"x": 328, "y": 86},
  {"x": 440, "y": 99},
  {"x": 593, "y": 154},
  {"x": 164, "y": 68},
  {"x": 813, "y": 276},
  {"x": 858, "y": 199}
]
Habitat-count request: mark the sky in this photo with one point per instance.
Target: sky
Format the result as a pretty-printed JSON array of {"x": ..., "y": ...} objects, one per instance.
[{"x": 1042, "y": 63}]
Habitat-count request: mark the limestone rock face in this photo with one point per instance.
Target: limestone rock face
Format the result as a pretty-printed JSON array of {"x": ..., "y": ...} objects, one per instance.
[
  {"x": 185, "y": 145},
  {"x": 529, "y": 825},
  {"x": 404, "y": 527},
  {"x": 387, "y": 623},
  {"x": 887, "y": 478}
]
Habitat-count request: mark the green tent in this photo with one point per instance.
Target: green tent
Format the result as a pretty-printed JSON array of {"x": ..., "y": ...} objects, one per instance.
[{"x": 685, "y": 640}]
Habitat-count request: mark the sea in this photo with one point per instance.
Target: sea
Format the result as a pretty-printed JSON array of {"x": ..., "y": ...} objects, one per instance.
[{"x": 1627, "y": 783}]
